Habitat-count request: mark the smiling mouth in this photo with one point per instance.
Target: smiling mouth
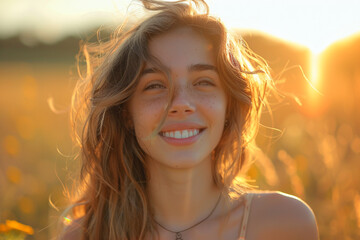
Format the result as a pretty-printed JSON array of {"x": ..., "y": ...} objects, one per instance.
[{"x": 181, "y": 134}]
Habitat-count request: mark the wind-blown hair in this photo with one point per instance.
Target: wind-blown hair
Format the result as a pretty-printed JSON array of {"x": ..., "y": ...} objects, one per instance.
[{"x": 112, "y": 200}]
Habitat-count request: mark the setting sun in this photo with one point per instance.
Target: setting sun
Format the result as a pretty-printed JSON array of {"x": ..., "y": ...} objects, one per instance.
[
  {"x": 315, "y": 24},
  {"x": 314, "y": 64}
]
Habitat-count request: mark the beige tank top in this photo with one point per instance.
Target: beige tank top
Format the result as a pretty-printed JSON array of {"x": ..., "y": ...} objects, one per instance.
[{"x": 248, "y": 199}]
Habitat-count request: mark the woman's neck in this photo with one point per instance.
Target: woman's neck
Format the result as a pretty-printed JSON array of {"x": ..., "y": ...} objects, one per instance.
[{"x": 181, "y": 198}]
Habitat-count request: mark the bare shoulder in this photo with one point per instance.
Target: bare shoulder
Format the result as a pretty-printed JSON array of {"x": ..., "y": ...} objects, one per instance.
[
  {"x": 280, "y": 216},
  {"x": 72, "y": 231}
]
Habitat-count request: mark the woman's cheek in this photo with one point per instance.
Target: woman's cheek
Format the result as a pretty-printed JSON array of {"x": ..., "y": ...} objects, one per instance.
[{"x": 149, "y": 114}]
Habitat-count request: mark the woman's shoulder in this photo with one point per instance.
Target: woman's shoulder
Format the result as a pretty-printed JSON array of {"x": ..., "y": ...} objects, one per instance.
[{"x": 276, "y": 215}]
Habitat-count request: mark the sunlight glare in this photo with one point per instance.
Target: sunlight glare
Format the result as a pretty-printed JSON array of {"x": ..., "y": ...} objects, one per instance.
[
  {"x": 314, "y": 66},
  {"x": 67, "y": 220}
]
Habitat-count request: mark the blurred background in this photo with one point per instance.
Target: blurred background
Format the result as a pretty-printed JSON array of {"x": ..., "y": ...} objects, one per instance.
[{"x": 313, "y": 150}]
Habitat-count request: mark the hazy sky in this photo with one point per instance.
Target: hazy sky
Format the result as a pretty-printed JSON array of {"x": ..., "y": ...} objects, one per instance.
[{"x": 313, "y": 23}]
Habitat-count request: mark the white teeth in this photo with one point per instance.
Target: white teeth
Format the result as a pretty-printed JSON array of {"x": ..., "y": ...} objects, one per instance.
[
  {"x": 196, "y": 132},
  {"x": 177, "y": 134},
  {"x": 181, "y": 134},
  {"x": 184, "y": 134}
]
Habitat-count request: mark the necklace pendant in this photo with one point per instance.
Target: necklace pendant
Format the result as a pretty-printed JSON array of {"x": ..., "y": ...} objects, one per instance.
[{"x": 178, "y": 236}]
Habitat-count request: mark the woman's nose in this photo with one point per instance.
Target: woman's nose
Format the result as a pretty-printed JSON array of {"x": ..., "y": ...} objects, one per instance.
[{"x": 182, "y": 103}]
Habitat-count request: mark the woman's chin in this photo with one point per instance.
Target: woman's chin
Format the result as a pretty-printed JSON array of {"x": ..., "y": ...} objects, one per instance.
[{"x": 185, "y": 161}]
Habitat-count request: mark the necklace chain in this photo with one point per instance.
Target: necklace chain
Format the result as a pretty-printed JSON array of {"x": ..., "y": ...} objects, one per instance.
[{"x": 178, "y": 235}]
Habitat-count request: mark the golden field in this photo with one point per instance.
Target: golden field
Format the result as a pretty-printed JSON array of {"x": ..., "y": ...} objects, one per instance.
[{"x": 311, "y": 150}]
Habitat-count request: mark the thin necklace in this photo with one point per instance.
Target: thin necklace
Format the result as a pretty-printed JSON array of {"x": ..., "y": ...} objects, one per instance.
[{"x": 178, "y": 235}]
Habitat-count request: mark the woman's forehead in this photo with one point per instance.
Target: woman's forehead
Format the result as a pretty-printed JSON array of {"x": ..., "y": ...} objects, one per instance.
[
  {"x": 184, "y": 34},
  {"x": 181, "y": 47}
]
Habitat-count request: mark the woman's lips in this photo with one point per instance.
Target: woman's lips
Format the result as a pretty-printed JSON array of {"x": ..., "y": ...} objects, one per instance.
[
  {"x": 181, "y": 137},
  {"x": 180, "y": 134}
]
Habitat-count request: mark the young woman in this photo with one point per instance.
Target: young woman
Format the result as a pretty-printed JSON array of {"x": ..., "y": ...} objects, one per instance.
[{"x": 168, "y": 112}]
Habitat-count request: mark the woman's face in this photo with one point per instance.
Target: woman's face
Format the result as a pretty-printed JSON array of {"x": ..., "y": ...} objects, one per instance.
[{"x": 195, "y": 121}]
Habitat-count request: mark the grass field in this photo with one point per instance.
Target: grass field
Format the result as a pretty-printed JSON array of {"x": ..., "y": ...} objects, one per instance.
[{"x": 314, "y": 154}]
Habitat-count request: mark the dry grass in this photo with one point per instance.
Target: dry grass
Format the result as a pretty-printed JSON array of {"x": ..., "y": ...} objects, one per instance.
[{"x": 316, "y": 158}]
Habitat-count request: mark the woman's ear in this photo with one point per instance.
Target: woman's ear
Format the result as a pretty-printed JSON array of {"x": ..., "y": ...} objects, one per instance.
[{"x": 226, "y": 123}]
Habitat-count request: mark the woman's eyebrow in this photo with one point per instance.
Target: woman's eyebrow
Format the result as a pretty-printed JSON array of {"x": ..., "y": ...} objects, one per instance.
[
  {"x": 191, "y": 68},
  {"x": 201, "y": 67},
  {"x": 150, "y": 70}
]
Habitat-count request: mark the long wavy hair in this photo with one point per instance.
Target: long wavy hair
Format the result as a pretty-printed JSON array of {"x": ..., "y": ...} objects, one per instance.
[{"x": 111, "y": 197}]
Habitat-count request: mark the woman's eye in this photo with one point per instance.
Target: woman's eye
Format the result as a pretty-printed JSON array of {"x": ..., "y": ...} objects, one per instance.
[
  {"x": 155, "y": 86},
  {"x": 205, "y": 83}
]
